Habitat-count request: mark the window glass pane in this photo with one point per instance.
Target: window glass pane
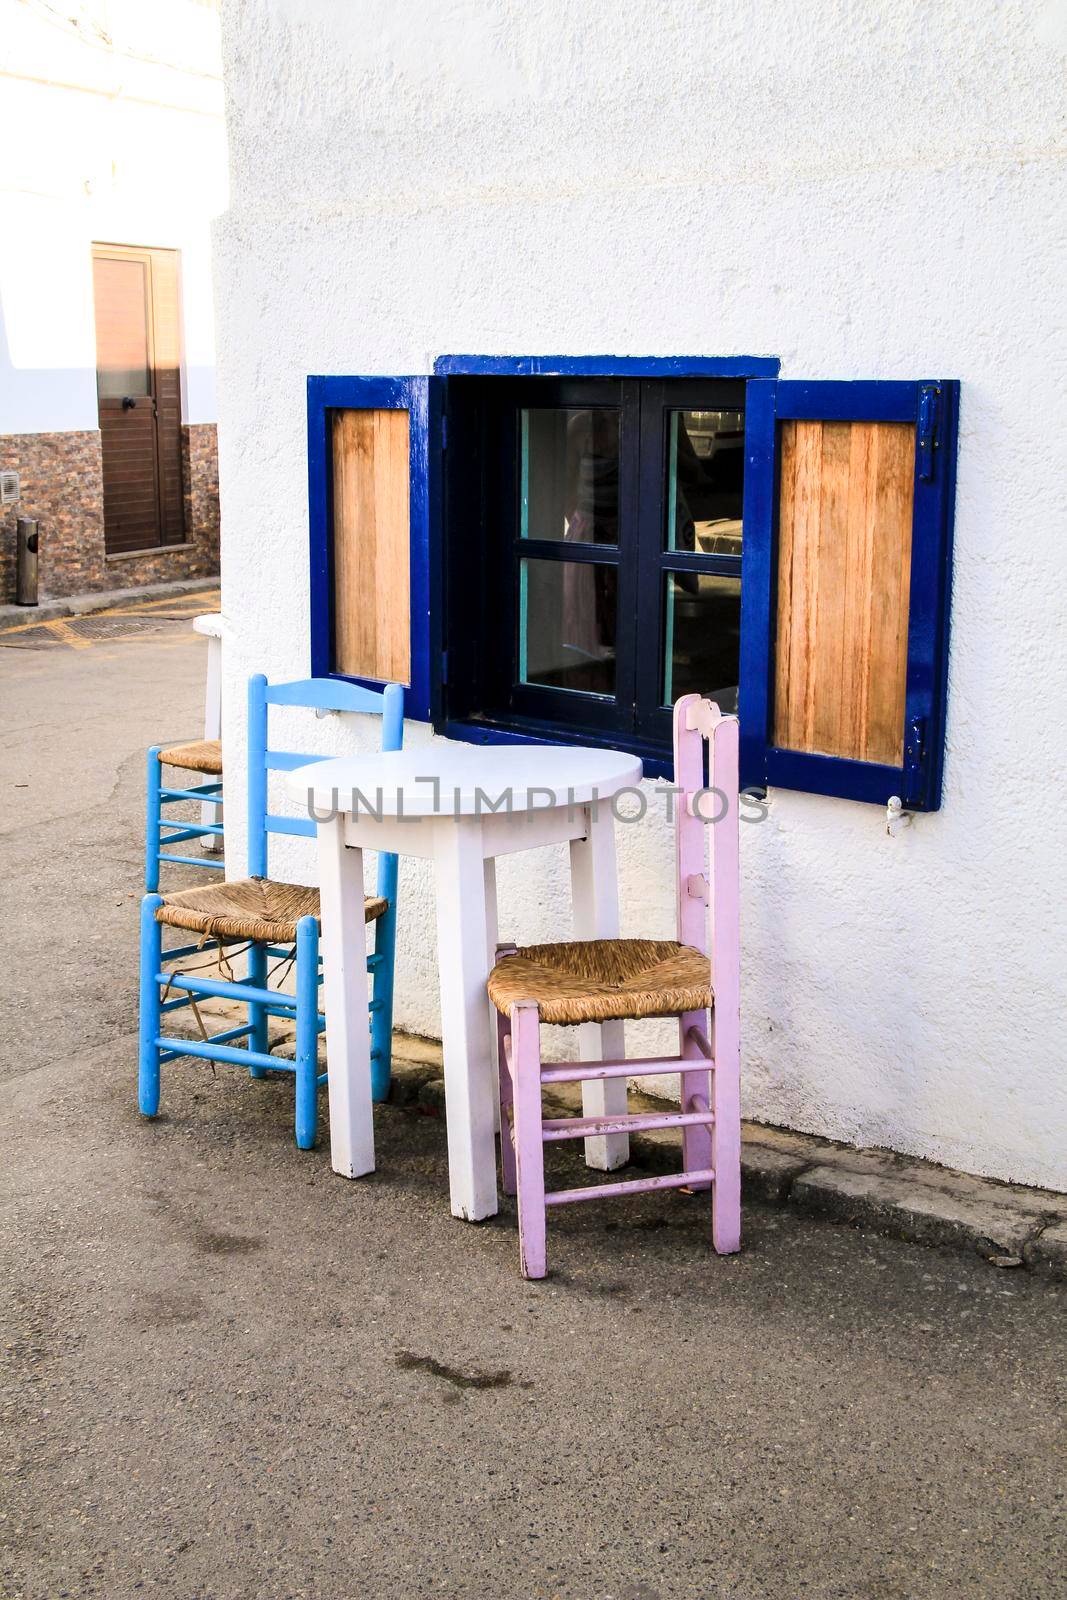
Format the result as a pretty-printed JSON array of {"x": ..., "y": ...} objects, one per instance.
[
  {"x": 569, "y": 474},
  {"x": 705, "y": 478},
  {"x": 703, "y": 627},
  {"x": 115, "y": 383},
  {"x": 567, "y": 625},
  {"x": 121, "y": 300}
]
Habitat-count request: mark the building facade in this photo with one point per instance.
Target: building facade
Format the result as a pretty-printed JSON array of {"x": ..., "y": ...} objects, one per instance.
[
  {"x": 623, "y": 273},
  {"x": 113, "y": 164}
]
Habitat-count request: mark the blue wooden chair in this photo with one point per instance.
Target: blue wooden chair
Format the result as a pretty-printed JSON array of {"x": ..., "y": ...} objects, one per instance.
[
  {"x": 203, "y": 756},
  {"x": 272, "y": 920}
]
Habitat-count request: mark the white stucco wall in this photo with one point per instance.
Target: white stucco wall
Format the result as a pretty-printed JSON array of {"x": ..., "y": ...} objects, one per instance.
[
  {"x": 111, "y": 129},
  {"x": 865, "y": 190}
]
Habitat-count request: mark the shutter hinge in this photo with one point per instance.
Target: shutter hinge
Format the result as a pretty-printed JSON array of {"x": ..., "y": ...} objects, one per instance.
[
  {"x": 444, "y": 431},
  {"x": 444, "y": 666},
  {"x": 929, "y": 427},
  {"x": 914, "y": 760}
]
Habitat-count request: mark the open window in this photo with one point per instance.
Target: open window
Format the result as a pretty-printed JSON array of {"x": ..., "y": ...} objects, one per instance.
[
  {"x": 558, "y": 549},
  {"x": 594, "y": 532}
]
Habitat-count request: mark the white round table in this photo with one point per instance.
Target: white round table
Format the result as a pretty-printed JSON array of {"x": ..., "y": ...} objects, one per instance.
[{"x": 460, "y": 806}]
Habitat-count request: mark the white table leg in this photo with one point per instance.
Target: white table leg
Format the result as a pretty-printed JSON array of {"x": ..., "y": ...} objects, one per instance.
[
  {"x": 595, "y": 897},
  {"x": 211, "y": 843},
  {"x": 344, "y": 959},
  {"x": 470, "y": 1093},
  {"x": 491, "y": 937}
]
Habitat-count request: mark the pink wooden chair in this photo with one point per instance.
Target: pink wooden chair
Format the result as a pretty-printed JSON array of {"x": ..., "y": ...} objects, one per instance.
[{"x": 599, "y": 980}]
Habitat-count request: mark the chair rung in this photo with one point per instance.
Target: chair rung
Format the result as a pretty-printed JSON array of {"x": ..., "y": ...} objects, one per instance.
[
  {"x": 190, "y": 830},
  {"x": 607, "y": 1191},
  {"x": 303, "y": 827},
  {"x": 625, "y": 1122},
  {"x": 647, "y": 1067},
  {"x": 208, "y": 1050},
  {"x": 232, "y": 1033},
  {"x": 194, "y": 861},
  {"x": 176, "y": 1005},
  {"x": 209, "y": 795},
  {"x": 245, "y": 993}
]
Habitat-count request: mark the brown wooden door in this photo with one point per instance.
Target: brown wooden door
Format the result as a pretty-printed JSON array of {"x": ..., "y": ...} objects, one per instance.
[{"x": 139, "y": 396}]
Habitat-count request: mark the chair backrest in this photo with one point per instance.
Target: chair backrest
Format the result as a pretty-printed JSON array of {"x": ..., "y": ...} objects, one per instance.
[
  {"x": 320, "y": 694},
  {"x": 702, "y": 809}
]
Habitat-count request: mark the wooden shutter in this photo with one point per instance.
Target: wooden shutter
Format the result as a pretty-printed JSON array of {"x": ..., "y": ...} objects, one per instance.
[
  {"x": 374, "y": 449},
  {"x": 371, "y": 545},
  {"x": 166, "y": 327},
  {"x": 849, "y": 493}
]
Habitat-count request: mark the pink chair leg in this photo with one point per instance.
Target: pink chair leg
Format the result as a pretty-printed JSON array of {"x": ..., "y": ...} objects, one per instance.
[
  {"x": 696, "y": 1142},
  {"x": 507, "y": 1103},
  {"x": 529, "y": 1147},
  {"x": 726, "y": 1146}
]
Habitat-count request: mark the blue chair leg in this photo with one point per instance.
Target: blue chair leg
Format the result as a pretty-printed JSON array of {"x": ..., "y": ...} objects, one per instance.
[
  {"x": 258, "y": 1039},
  {"x": 153, "y": 814},
  {"x": 307, "y": 1031},
  {"x": 151, "y": 961},
  {"x": 381, "y": 1027}
]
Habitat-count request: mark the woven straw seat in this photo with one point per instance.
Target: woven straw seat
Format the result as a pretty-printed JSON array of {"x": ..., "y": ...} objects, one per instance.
[
  {"x": 249, "y": 908},
  {"x": 599, "y": 980},
  {"x": 201, "y": 755}
]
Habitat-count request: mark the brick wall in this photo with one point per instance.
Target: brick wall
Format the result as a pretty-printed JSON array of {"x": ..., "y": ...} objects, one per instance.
[{"x": 62, "y": 485}]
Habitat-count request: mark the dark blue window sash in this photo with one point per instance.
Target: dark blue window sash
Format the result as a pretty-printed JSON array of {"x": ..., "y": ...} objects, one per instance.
[
  {"x": 917, "y": 781},
  {"x": 420, "y": 396},
  {"x": 579, "y": 716}
]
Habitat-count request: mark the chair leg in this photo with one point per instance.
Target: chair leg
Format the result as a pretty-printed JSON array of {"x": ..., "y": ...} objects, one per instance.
[
  {"x": 696, "y": 1141},
  {"x": 529, "y": 1145},
  {"x": 259, "y": 1038},
  {"x": 153, "y": 817},
  {"x": 507, "y": 1104},
  {"x": 148, "y": 1052},
  {"x": 381, "y": 1027},
  {"x": 307, "y": 1031},
  {"x": 726, "y": 1147}
]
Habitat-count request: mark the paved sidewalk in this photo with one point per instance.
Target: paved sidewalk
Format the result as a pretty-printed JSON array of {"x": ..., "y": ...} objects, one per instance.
[
  {"x": 16, "y": 619},
  {"x": 229, "y": 1375}
]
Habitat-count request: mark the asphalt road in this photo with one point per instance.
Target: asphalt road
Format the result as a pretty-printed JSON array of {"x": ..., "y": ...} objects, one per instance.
[{"x": 230, "y": 1375}]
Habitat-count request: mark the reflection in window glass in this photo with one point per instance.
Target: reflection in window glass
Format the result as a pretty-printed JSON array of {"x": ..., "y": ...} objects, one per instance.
[
  {"x": 705, "y": 480},
  {"x": 115, "y": 383},
  {"x": 702, "y": 634},
  {"x": 121, "y": 292},
  {"x": 567, "y": 625},
  {"x": 569, "y": 475}
]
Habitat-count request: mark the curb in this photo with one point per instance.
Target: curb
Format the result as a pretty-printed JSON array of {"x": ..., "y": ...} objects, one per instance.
[
  {"x": 900, "y": 1196},
  {"x": 83, "y": 605}
]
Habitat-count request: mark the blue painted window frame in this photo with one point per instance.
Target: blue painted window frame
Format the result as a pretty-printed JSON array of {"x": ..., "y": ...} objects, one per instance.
[
  {"x": 421, "y": 397},
  {"x": 608, "y": 366},
  {"x": 768, "y": 400},
  {"x": 932, "y": 405}
]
